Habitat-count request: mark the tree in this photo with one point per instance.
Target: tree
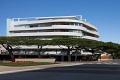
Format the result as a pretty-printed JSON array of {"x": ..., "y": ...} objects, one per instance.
[
  {"x": 7, "y": 43},
  {"x": 39, "y": 43},
  {"x": 68, "y": 42},
  {"x": 111, "y": 48},
  {"x": 77, "y": 43}
]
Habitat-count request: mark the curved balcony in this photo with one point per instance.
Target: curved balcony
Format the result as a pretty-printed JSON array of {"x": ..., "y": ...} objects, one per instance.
[
  {"x": 52, "y": 20},
  {"x": 89, "y": 37},
  {"x": 47, "y": 34},
  {"x": 56, "y": 27}
]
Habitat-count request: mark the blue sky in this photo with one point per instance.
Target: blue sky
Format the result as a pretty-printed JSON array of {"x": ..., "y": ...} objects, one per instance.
[{"x": 105, "y": 14}]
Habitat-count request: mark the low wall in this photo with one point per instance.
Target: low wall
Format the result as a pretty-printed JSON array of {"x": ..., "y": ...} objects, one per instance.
[
  {"x": 36, "y": 59},
  {"x": 106, "y": 58}
]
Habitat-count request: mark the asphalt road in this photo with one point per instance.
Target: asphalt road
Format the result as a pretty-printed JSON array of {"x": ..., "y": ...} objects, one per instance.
[{"x": 88, "y": 71}]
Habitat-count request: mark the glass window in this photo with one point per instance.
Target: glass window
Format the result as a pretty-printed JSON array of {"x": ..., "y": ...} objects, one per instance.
[
  {"x": 33, "y": 26},
  {"x": 71, "y": 23},
  {"x": 70, "y": 30},
  {"x": 26, "y": 26},
  {"x": 76, "y": 24},
  {"x": 80, "y": 24},
  {"x": 44, "y": 25},
  {"x": 18, "y": 26}
]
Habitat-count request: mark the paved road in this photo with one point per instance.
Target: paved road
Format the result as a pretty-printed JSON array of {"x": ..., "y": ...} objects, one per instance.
[{"x": 79, "y": 71}]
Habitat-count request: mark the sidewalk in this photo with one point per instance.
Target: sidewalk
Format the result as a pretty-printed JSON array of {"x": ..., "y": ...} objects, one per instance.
[{"x": 8, "y": 69}]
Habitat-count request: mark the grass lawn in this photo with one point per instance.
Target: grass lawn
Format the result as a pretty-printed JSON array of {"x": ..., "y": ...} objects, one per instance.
[{"x": 24, "y": 63}]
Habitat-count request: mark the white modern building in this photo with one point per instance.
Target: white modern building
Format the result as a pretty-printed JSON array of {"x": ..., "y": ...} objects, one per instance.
[
  {"x": 52, "y": 27},
  {"x": 46, "y": 28}
]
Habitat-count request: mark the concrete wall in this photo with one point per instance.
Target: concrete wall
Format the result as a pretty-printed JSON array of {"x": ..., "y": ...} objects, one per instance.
[{"x": 36, "y": 59}]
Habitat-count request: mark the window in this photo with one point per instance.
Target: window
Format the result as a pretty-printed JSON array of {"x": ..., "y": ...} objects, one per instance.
[
  {"x": 76, "y": 24},
  {"x": 80, "y": 24},
  {"x": 71, "y": 23},
  {"x": 33, "y": 26},
  {"x": 44, "y": 25}
]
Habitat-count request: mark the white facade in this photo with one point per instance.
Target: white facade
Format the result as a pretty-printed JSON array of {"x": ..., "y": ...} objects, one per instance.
[{"x": 52, "y": 27}]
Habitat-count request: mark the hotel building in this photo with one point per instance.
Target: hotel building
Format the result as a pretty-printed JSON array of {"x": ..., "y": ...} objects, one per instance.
[{"x": 47, "y": 28}]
